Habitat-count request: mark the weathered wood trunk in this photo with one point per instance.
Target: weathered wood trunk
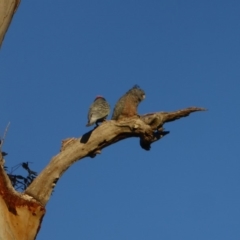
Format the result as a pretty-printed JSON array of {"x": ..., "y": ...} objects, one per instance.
[{"x": 20, "y": 215}]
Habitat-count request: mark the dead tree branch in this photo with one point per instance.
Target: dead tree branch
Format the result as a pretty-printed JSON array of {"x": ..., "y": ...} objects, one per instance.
[{"x": 148, "y": 128}]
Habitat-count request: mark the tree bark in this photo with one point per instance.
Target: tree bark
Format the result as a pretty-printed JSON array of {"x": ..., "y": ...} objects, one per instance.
[
  {"x": 7, "y": 10},
  {"x": 20, "y": 214}
]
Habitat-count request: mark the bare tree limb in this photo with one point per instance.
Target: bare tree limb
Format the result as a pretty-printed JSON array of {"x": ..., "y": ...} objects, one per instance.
[
  {"x": 156, "y": 120},
  {"x": 148, "y": 128},
  {"x": 7, "y": 10}
]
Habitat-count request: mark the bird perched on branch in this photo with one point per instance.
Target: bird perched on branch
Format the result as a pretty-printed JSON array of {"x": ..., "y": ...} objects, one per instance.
[
  {"x": 126, "y": 106},
  {"x": 98, "y": 111}
]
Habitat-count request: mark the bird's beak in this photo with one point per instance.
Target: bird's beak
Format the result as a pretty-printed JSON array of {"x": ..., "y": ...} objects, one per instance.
[{"x": 143, "y": 96}]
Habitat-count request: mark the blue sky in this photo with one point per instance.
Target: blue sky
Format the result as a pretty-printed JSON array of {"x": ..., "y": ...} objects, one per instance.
[{"x": 57, "y": 57}]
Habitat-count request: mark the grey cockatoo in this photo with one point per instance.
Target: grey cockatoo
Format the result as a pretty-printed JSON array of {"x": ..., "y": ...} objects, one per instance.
[{"x": 98, "y": 111}]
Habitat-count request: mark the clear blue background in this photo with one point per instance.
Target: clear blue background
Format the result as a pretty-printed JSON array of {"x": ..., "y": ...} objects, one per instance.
[{"x": 58, "y": 55}]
